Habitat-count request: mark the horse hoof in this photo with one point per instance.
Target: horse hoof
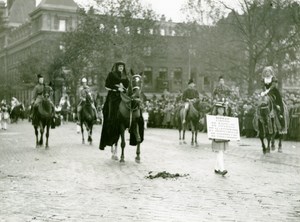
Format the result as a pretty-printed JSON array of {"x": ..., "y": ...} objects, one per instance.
[
  {"x": 184, "y": 142},
  {"x": 122, "y": 161},
  {"x": 47, "y": 147},
  {"x": 137, "y": 160},
  {"x": 83, "y": 142},
  {"x": 279, "y": 150},
  {"x": 114, "y": 157},
  {"x": 273, "y": 148}
]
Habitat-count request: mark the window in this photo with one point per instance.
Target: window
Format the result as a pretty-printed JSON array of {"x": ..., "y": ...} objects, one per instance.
[
  {"x": 127, "y": 29},
  {"x": 162, "y": 32},
  {"x": 178, "y": 74},
  {"x": 147, "y": 51},
  {"x": 163, "y": 73},
  {"x": 148, "y": 76},
  {"x": 151, "y": 31},
  {"x": 62, "y": 25},
  {"x": 139, "y": 30}
]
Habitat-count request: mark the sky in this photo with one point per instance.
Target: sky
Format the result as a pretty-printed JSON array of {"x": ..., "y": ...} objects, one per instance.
[{"x": 170, "y": 8}]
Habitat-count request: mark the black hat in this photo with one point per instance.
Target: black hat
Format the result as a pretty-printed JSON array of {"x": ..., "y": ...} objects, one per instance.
[
  {"x": 39, "y": 76},
  {"x": 190, "y": 81}
]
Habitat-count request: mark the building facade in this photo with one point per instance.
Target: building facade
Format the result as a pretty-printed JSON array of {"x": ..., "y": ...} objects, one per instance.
[{"x": 30, "y": 24}]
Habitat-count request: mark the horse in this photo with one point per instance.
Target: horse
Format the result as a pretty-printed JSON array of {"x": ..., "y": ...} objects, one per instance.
[
  {"x": 87, "y": 118},
  {"x": 192, "y": 121},
  {"x": 266, "y": 123},
  {"x": 43, "y": 117},
  {"x": 17, "y": 112},
  {"x": 65, "y": 111},
  {"x": 130, "y": 117}
]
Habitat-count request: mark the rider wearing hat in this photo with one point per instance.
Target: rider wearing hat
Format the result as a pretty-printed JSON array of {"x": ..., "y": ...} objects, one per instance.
[
  {"x": 83, "y": 92},
  {"x": 190, "y": 94},
  {"x": 117, "y": 81},
  {"x": 37, "y": 95},
  {"x": 270, "y": 87},
  {"x": 221, "y": 92}
]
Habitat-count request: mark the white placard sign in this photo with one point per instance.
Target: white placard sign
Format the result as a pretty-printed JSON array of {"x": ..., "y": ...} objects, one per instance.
[{"x": 223, "y": 127}]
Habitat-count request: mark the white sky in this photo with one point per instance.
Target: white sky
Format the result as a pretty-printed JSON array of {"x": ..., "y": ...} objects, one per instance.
[{"x": 170, "y": 8}]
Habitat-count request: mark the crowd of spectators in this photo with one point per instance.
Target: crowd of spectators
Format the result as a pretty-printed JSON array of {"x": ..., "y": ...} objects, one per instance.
[{"x": 161, "y": 112}]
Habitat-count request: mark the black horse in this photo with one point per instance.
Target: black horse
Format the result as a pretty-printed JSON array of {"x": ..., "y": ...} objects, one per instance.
[
  {"x": 87, "y": 118},
  {"x": 130, "y": 117},
  {"x": 17, "y": 112},
  {"x": 42, "y": 117},
  {"x": 192, "y": 121},
  {"x": 266, "y": 122}
]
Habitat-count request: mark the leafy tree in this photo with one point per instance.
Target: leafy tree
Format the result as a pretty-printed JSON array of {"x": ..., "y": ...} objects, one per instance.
[
  {"x": 260, "y": 34},
  {"x": 120, "y": 31}
]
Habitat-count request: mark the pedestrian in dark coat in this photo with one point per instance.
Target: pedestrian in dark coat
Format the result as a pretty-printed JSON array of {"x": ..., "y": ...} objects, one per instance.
[{"x": 117, "y": 81}]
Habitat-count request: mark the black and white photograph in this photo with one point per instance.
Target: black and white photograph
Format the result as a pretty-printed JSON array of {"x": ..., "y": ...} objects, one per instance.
[{"x": 150, "y": 110}]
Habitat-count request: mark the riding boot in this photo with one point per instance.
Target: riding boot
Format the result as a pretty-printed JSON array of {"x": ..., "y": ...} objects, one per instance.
[{"x": 184, "y": 116}]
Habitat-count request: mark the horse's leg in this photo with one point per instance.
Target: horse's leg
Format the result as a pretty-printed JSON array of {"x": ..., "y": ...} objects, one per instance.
[
  {"x": 90, "y": 139},
  {"x": 42, "y": 134},
  {"x": 179, "y": 131},
  {"x": 114, "y": 151},
  {"x": 47, "y": 135},
  {"x": 138, "y": 140},
  {"x": 183, "y": 134},
  {"x": 138, "y": 151},
  {"x": 122, "y": 143},
  {"x": 193, "y": 133},
  {"x": 82, "y": 132},
  {"x": 263, "y": 144},
  {"x": 36, "y": 136},
  {"x": 269, "y": 138},
  {"x": 279, "y": 143},
  {"x": 196, "y": 135}
]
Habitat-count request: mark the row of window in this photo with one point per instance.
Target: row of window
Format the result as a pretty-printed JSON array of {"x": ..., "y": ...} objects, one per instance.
[{"x": 162, "y": 31}]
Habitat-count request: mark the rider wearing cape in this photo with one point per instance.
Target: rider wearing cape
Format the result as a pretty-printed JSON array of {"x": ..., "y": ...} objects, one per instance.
[
  {"x": 270, "y": 87},
  {"x": 116, "y": 82}
]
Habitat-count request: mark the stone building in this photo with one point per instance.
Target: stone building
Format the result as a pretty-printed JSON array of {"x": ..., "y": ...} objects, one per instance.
[{"x": 31, "y": 24}]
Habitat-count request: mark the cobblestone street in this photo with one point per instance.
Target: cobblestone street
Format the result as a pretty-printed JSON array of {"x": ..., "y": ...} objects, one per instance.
[{"x": 75, "y": 182}]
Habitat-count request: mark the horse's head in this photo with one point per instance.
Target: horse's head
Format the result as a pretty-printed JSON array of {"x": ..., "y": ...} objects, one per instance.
[
  {"x": 47, "y": 92},
  {"x": 135, "y": 86},
  {"x": 264, "y": 107}
]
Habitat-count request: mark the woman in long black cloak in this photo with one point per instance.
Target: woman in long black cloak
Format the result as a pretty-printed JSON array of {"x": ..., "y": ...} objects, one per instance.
[{"x": 116, "y": 82}]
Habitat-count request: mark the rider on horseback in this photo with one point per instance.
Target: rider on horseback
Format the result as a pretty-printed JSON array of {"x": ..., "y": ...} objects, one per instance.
[
  {"x": 222, "y": 92},
  {"x": 117, "y": 81},
  {"x": 84, "y": 92},
  {"x": 37, "y": 96},
  {"x": 190, "y": 94},
  {"x": 270, "y": 86}
]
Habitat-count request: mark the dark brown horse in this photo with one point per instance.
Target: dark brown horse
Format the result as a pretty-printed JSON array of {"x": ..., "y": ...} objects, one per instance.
[
  {"x": 192, "y": 121},
  {"x": 130, "y": 117},
  {"x": 43, "y": 117},
  {"x": 87, "y": 118},
  {"x": 266, "y": 122}
]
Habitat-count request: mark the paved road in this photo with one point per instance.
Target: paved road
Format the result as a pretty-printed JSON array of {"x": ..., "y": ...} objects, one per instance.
[{"x": 75, "y": 182}]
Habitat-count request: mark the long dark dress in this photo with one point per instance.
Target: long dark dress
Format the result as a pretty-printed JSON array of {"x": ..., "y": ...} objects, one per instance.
[
  {"x": 276, "y": 97},
  {"x": 110, "y": 129}
]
